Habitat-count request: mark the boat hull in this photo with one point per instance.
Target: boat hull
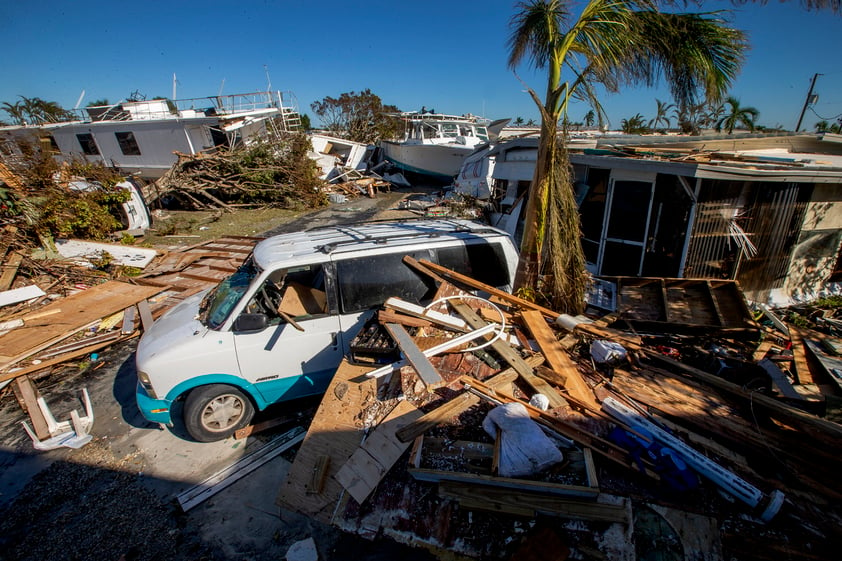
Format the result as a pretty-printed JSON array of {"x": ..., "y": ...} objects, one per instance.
[{"x": 437, "y": 161}]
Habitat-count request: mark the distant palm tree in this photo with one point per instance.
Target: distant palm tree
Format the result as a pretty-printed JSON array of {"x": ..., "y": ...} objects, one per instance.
[
  {"x": 634, "y": 125},
  {"x": 737, "y": 115},
  {"x": 518, "y": 122},
  {"x": 824, "y": 126},
  {"x": 15, "y": 111},
  {"x": 661, "y": 115},
  {"x": 590, "y": 118},
  {"x": 608, "y": 43}
]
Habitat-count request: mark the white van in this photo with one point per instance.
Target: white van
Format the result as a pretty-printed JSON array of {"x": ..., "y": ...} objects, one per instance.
[{"x": 278, "y": 327}]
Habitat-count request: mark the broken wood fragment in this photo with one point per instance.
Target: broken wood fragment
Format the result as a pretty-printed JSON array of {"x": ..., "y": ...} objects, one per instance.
[{"x": 557, "y": 358}]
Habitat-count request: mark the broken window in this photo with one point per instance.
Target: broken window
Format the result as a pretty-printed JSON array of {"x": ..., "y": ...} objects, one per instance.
[
  {"x": 483, "y": 262},
  {"x": 87, "y": 143},
  {"x": 128, "y": 144},
  {"x": 366, "y": 282}
]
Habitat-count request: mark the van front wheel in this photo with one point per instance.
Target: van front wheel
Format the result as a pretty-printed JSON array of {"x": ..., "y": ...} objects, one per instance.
[{"x": 216, "y": 412}]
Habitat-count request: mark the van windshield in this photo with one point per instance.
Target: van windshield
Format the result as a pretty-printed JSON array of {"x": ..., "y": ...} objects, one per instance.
[{"x": 219, "y": 302}]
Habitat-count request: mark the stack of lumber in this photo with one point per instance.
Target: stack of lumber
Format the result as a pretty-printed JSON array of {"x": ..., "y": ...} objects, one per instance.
[{"x": 399, "y": 451}]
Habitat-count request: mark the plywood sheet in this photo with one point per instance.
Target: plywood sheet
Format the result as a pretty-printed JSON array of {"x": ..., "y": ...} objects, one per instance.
[
  {"x": 367, "y": 466},
  {"x": 76, "y": 311},
  {"x": 335, "y": 432}
]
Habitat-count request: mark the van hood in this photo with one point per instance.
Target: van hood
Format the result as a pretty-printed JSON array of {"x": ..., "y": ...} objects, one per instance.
[{"x": 179, "y": 324}]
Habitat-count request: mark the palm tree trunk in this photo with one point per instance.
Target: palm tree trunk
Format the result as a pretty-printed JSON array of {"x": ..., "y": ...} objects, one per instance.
[{"x": 534, "y": 222}]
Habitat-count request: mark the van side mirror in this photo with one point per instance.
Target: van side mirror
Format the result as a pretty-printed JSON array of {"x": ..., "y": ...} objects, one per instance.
[{"x": 251, "y": 322}]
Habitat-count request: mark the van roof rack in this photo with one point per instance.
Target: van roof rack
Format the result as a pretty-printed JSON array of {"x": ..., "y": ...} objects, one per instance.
[{"x": 355, "y": 236}]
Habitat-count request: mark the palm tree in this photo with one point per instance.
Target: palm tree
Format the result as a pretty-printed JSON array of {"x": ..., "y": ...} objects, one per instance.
[
  {"x": 661, "y": 115},
  {"x": 737, "y": 115},
  {"x": 590, "y": 117},
  {"x": 518, "y": 122},
  {"x": 609, "y": 43},
  {"x": 634, "y": 125},
  {"x": 15, "y": 111}
]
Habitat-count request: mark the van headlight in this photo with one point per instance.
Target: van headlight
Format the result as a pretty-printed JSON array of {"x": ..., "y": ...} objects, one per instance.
[{"x": 143, "y": 378}]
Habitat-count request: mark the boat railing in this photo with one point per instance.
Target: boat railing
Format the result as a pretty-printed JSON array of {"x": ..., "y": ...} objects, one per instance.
[{"x": 282, "y": 103}]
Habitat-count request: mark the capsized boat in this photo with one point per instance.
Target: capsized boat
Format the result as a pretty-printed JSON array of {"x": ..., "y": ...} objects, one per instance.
[{"x": 435, "y": 145}]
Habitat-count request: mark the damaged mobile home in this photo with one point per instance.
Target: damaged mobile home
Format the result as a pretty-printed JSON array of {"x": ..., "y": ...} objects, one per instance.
[
  {"x": 763, "y": 210},
  {"x": 141, "y": 138}
]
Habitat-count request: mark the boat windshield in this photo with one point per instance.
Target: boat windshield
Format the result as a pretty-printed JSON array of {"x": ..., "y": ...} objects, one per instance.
[
  {"x": 217, "y": 305},
  {"x": 482, "y": 133},
  {"x": 449, "y": 130}
]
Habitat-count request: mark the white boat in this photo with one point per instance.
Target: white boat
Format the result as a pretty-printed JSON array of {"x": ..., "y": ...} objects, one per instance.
[
  {"x": 140, "y": 138},
  {"x": 435, "y": 145}
]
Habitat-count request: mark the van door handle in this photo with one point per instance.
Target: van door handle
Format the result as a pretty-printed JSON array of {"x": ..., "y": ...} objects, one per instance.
[{"x": 334, "y": 340}]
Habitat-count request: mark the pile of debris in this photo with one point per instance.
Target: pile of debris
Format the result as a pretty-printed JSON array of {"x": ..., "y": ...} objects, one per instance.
[
  {"x": 57, "y": 314},
  {"x": 663, "y": 429}
]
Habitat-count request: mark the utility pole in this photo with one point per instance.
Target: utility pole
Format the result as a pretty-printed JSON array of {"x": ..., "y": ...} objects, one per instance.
[{"x": 807, "y": 101}]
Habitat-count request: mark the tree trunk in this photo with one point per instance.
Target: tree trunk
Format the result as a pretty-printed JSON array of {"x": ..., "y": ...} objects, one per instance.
[{"x": 534, "y": 223}]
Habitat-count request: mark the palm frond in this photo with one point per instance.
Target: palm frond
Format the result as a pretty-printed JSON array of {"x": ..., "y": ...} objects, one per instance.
[{"x": 535, "y": 27}]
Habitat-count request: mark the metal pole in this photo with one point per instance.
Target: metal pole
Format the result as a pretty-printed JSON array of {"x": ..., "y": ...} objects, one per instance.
[{"x": 806, "y": 101}]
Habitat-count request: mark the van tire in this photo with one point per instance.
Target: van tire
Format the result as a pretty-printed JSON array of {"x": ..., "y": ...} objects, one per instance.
[{"x": 216, "y": 412}]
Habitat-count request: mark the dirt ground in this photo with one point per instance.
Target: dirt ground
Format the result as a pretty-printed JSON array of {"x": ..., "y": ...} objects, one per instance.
[{"x": 115, "y": 498}]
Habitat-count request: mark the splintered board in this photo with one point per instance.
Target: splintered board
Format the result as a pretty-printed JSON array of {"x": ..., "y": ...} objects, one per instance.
[
  {"x": 74, "y": 313},
  {"x": 684, "y": 305}
]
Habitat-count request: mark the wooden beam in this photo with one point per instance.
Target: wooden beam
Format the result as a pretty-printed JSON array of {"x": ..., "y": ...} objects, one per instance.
[
  {"x": 800, "y": 365},
  {"x": 558, "y": 360},
  {"x": 427, "y": 373},
  {"x": 512, "y": 357},
  {"x": 530, "y": 504},
  {"x": 504, "y": 296},
  {"x": 28, "y": 395}
]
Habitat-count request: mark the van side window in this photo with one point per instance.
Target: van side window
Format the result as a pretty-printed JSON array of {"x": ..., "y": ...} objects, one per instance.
[
  {"x": 484, "y": 262},
  {"x": 297, "y": 292},
  {"x": 367, "y": 282}
]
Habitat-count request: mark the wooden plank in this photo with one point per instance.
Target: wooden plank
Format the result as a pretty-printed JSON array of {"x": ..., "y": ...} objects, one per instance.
[
  {"x": 512, "y": 483},
  {"x": 504, "y": 296},
  {"x": 390, "y": 316},
  {"x": 28, "y": 395},
  {"x": 558, "y": 359},
  {"x": 63, "y": 358},
  {"x": 78, "y": 310},
  {"x": 377, "y": 454},
  {"x": 427, "y": 373},
  {"x": 512, "y": 357},
  {"x": 755, "y": 399},
  {"x": 145, "y": 314},
  {"x": 762, "y": 349},
  {"x": 530, "y": 504},
  {"x": 239, "y": 469},
  {"x": 335, "y": 432},
  {"x": 800, "y": 366},
  {"x": 10, "y": 269}
]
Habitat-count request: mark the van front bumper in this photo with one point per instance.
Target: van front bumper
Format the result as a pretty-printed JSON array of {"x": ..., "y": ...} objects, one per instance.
[{"x": 155, "y": 410}]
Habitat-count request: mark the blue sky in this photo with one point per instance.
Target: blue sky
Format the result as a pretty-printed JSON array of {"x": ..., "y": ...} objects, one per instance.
[{"x": 447, "y": 55}]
